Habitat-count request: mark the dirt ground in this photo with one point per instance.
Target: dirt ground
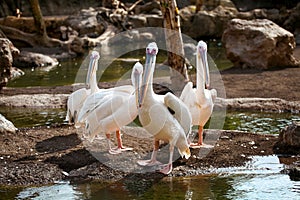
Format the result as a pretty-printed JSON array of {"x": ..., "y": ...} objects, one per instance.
[{"x": 43, "y": 155}]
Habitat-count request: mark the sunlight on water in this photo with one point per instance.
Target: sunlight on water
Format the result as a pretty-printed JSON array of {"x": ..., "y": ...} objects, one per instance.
[
  {"x": 261, "y": 179},
  {"x": 58, "y": 191}
]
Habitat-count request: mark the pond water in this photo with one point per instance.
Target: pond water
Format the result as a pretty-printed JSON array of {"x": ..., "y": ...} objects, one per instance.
[
  {"x": 74, "y": 70},
  {"x": 257, "y": 122},
  {"x": 259, "y": 179}
]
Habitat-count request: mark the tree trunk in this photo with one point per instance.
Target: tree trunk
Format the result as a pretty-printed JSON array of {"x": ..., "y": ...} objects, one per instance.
[
  {"x": 40, "y": 26},
  {"x": 174, "y": 44},
  {"x": 199, "y": 4},
  {"x": 38, "y": 18}
]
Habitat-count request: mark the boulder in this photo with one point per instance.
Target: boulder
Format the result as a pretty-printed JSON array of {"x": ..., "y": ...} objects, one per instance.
[
  {"x": 154, "y": 20},
  {"x": 31, "y": 60},
  {"x": 86, "y": 22},
  {"x": 7, "y": 54},
  {"x": 259, "y": 43},
  {"x": 6, "y": 125},
  {"x": 289, "y": 140},
  {"x": 293, "y": 22},
  {"x": 147, "y": 7},
  {"x": 206, "y": 23},
  {"x": 138, "y": 21},
  {"x": 294, "y": 173}
]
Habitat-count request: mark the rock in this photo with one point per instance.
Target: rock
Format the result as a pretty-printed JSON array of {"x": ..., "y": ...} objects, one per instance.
[
  {"x": 260, "y": 104},
  {"x": 259, "y": 44},
  {"x": 6, "y": 125},
  {"x": 86, "y": 22},
  {"x": 292, "y": 23},
  {"x": 29, "y": 59},
  {"x": 206, "y": 23},
  {"x": 7, "y": 54},
  {"x": 138, "y": 21},
  {"x": 291, "y": 134},
  {"x": 289, "y": 140},
  {"x": 154, "y": 20},
  {"x": 35, "y": 100},
  {"x": 147, "y": 7},
  {"x": 294, "y": 173}
]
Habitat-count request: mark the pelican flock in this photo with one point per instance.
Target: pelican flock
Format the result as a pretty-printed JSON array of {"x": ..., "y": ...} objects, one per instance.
[
  {"x": 200, "y": 100},
  {"x": 166, "y": 117}
]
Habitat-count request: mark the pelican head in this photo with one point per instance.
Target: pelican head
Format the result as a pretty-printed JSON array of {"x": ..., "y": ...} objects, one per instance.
[
  {"x": 93, "y": 66},
  {"x": 151, "y": 52},
  {"x": 136, "y": 78},
  {"x": 202, "y": 56}
]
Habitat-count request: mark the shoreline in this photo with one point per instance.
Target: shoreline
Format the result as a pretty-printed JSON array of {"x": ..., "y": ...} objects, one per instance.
[{"x": 44, "y": 155}]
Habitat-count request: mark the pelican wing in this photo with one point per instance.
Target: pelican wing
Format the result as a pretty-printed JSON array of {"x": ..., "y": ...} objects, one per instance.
[
  {"x": 181, "y": 111},
  {"x": 123, "y": 88},
  {"x": 96, "y": 120},
  {"x": 189, "y": 97},
  {"x": 96, "y": 99},
  {"x": 75, "y": 103}
]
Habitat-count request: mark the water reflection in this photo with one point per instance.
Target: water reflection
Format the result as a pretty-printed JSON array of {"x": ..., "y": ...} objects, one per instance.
[{"x": 260, "y": 179}]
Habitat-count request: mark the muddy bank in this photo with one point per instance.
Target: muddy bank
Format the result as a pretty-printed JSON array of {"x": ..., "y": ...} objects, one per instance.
[{"x": 44, "y": 155}]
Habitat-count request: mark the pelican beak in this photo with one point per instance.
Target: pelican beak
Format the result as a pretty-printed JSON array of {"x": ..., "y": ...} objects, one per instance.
[
  {"x": 137, "y": 92},
  {"x": 146, "y": 77},
  {"x": 203, "y": 55},
  {"x": 92, "y": 69},
  {"x": 137, "y": 77}
]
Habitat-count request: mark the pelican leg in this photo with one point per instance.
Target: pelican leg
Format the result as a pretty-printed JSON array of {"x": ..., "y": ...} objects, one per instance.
[
  {"x": 120, "y": 144},
  {"x": 153, "y": 160},
  {"x": 167, "y": 168},
  {"x": 200, "y": 135},
  {"x": 200, "y": 140},
  {"x": 110, "y": 150}
]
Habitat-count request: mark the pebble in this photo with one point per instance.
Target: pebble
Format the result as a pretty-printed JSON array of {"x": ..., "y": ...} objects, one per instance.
[{"x": 225, "y": 137}]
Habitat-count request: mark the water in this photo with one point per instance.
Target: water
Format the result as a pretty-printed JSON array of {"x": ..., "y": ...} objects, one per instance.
[
  {"x": 259, "y": 122},
  {"x": 259, "y": 179},
  {"x": 30, "y": 117},
  {"x": 74, "y": 70}
]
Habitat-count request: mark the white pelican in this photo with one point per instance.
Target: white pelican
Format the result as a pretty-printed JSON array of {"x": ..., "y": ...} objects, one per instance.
[
  {"x": 109, "y": 110},
  {"x": 200, "y": 100},
  {"x": 77, "y": 98},
  {"x": 156, "y": 118}
]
